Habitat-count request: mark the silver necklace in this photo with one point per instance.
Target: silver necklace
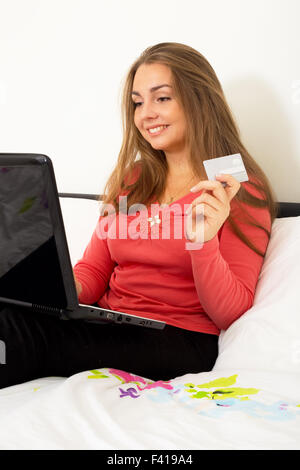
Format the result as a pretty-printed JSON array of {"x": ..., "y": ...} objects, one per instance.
[
  {"x": 178, "y": 192},
  {"x": 156, "y": 219}
]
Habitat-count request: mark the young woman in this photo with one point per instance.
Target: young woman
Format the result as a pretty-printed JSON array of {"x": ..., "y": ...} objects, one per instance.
[{"x": 158, "y": 258}]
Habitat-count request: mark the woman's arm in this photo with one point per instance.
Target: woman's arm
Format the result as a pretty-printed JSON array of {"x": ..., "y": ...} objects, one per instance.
[
  {"x": 92, "y": 272},
  {"x": 78, "y": 285},
  {"x": 226, "y": 270}
]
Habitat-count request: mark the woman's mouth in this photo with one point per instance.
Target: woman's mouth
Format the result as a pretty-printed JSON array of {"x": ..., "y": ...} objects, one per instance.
[{"x": 157, "y": 130}]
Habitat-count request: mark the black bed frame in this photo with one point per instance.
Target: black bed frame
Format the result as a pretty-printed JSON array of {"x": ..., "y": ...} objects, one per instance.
[{"x": 286, "y": 209}]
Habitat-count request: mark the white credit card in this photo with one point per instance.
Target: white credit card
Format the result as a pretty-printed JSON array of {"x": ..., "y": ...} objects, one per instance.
[{"x": 229, "y": 165}]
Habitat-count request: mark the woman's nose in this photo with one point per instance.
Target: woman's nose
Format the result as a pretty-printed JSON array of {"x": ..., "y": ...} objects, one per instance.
[{"x": 148, "y": 110}]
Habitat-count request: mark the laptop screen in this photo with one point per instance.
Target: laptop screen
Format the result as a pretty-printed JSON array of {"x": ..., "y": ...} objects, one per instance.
[{"x": 31, "y": 263}]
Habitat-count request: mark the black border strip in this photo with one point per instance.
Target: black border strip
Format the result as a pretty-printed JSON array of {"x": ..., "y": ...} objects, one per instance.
[{"x": 286, "y": 209}]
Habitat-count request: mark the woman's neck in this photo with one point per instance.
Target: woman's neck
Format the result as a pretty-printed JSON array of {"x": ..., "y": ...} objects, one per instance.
[{"x": 177, "y": 187}]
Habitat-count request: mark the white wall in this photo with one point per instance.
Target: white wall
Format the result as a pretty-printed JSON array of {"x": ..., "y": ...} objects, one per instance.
[{"x": 62, "y": 63}]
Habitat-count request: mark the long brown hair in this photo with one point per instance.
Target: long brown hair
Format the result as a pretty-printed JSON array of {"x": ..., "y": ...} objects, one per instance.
[{"x": 212, "y": 132}]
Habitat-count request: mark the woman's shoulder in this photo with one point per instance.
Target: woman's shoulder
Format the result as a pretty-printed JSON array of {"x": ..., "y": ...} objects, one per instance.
[
  {"x": 256, "y": 208},
  {"x": 129, "y": 177},
  {"x": 133, "y": 173},
  {"x": 254, "y": 186}
]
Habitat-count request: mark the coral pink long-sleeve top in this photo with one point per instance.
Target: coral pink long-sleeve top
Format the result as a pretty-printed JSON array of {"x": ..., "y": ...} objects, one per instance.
[{"x": 146, "y": 267}]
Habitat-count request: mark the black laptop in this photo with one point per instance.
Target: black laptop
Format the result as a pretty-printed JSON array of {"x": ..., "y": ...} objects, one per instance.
[{"x": 35, "y": 265}]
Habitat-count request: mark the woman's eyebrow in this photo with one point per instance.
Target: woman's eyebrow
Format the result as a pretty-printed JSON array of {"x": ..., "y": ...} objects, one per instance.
[{"x": 152, "y": 89}]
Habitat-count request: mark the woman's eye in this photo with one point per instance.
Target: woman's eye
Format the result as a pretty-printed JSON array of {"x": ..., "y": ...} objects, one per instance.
[{"x": 162, "y": 98}]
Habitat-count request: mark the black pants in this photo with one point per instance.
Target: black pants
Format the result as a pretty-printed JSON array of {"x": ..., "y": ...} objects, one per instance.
[{"x": 37, "y": 345}]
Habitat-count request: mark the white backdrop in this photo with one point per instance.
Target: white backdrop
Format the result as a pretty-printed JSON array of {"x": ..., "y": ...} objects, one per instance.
[{"x": 62, "y": 64}]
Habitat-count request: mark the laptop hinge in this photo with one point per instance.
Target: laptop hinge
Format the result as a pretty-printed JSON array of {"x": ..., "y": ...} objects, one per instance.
[{"x": 54, "y": 311}]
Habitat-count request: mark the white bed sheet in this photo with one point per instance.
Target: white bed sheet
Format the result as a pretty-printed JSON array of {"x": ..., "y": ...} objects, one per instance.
[
  {"x": 250, "y": 400},
  {"x": 109, "y": 409}
]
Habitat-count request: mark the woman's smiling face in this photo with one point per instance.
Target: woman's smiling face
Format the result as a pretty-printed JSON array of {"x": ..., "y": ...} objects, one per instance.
[{"x": 158, "y": 115}]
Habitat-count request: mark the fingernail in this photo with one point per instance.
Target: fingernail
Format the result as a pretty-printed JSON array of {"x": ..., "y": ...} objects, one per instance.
[{"x": 193, "y": 189}]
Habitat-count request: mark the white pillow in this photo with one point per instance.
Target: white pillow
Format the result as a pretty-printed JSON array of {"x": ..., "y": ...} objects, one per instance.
[
  {"x": 267, "y": 336},
  {"x": 80, "y": 219}
]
